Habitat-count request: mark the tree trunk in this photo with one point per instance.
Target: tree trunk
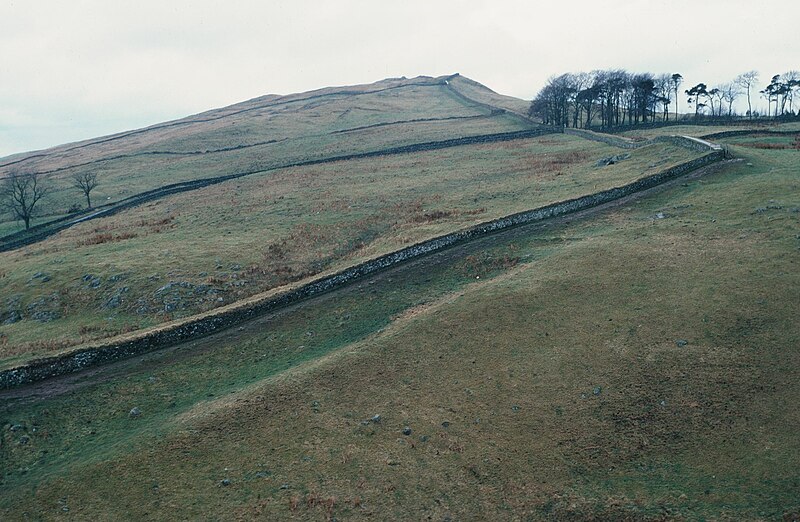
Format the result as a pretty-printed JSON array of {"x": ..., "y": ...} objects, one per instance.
[{"x": 676, "y": 103}]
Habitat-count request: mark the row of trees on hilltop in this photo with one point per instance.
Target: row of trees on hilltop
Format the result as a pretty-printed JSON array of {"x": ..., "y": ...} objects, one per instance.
[
  {"x": 22, "y": 192},
  {"x": 617, "y": 97}
]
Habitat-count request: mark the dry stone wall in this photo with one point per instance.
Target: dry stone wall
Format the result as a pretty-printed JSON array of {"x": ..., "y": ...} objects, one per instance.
[
  {"x": 45, "y": 230},
  {"x": 79, "y": 359}
]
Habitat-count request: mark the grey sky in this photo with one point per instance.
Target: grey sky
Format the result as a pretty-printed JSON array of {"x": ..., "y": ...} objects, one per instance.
[{"x": 79, "y": 69}]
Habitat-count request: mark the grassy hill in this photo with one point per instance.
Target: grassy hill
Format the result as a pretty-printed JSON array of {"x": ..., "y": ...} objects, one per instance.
[
  {"x": 206, "y": 248},
  {"x": 621, "y": 366},
  {"x": 271, "y": 131},
  {"x": 637, "y": 362}
]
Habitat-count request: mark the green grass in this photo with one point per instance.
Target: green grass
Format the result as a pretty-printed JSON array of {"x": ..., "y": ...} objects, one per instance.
[
  {"x": 9, "y": 227},
  {"x": 507, "y": 344},
  {"x": 700, "y": 130},
  {"x": 301, "y": 129},
  {"x": 246, "y": 236}
]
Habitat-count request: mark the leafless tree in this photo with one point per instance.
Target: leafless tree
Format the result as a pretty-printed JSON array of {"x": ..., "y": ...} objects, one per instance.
[
  {"x": 717, "y": 94},
  {"x": 85, "y": 181},
  {"x": 677, "y": 80},
  {"x": 664, "y": 91},
  {"x": 730, "y": 91},
  {"x": 21, "y": 192},
  {"x": 792, "y": 81},
  {"x": 746, "y": 81}
]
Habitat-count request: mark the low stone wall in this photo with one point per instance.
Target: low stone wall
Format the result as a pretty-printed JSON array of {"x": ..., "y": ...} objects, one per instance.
[
  {"x": 204, "y": 325},
  {"x": 703, "y": 122},
  {"x": 749, "y": 132},
  {"x": 45, "y": 230},
  {"x": 624, "y": 143},
  {"x": 614, "y": 141}
]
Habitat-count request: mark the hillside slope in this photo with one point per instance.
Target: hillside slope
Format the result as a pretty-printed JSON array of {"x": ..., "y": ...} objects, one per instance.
[
  {"x": 267, "y": 132},
  {"x": 638, "y": 364},
  {"x": 192, "y": 252}
]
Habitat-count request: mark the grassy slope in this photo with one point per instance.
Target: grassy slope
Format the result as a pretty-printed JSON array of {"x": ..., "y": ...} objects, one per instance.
[
  {"x": 700, "y": 130},
  {"x": 273, "y": 132},
  {"x": 284, "y": 226},
  {"x": 557, "y": 371}
]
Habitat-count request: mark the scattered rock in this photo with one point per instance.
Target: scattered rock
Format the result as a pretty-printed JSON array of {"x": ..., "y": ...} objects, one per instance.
[
  {"x": 23, "y": 440},
  {"x": 117, "y": 277},
  {"x": 45, "y": 316},
  {"x": 597, "y": 390},
  {"x": 284, "y": 486},
  {"x": 135, "y": 412},
  {"x": 16, "y": 427},
  {"x": 166, "y": 288},
  {"x": 40, "y": 276},
  {"x": 10, "y": 317},
  {"x": 376, "y": 419},
  {"x": 45, "y": 308},
  {"x": 116, "y": 299},
  {"x": 604, "y": 162},
  {"x": 680, "y": 343},
  {"x": 225, "y": 482},
  {"x": 446, "y": 424},
  {"x": 406, "y": 430},
  {"x": 660, "y": 215},
  {"x": 423, "y": 438},
  {"x": 91, "y": 280},
  {"x": 515, "y": 408},
  {"x": 262, "y": 474}
]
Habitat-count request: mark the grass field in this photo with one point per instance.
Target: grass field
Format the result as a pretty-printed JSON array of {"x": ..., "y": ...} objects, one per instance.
[
  {"x": 265, "y": 133},
  {"x": 700, "y": 130},
  {"x": 206, "y": 248},
  {"x": 638, "y": 364}
]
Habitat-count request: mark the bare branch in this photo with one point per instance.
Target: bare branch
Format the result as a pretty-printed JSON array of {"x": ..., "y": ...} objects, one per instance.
[{"x": 21, "y": 192}]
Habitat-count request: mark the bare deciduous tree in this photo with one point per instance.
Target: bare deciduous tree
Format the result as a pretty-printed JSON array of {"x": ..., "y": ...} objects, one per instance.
[
  {"x": 21, "y": 192},
  {"x": 85, "y": 181},
  {"x": 716, "y": 95},
  {"x": 746, "y": 81},
  {"x": 677, "y": 80},
  {"x": 730, "y": 91},
  {"x": 792, "y": 79},
  {"x": 664, "y": 90}
]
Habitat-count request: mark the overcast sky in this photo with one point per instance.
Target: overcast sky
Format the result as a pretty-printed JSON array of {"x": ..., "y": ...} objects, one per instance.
[{"x": 77, "y": 69}]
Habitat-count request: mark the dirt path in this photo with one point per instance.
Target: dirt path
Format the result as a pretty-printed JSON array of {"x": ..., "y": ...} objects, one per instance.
[{"x": 70, "y": 382}]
